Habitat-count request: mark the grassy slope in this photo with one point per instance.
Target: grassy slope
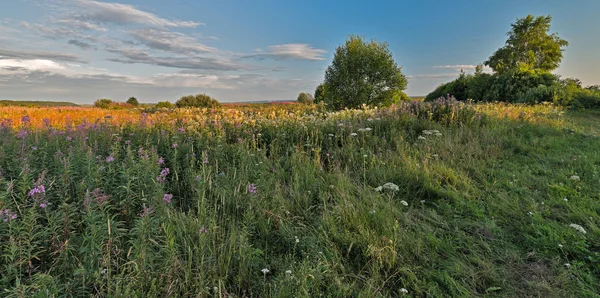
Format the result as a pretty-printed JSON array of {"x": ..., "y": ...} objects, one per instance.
[{"x": 467, "y": 229}]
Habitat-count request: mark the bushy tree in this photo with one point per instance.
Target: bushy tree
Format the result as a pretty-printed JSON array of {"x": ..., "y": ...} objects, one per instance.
[
  {"x": 362, "y": 73},
  {"x": 164, "y": 104},
  {"x": 103, "y": 103},
  {"x": 529, "y": 47},
  {"x": 320, "y": 93},
  {"x": 197, "y": 101},
  {"x": 133, "y": 101},
  {"x": 305, "y": 98}
]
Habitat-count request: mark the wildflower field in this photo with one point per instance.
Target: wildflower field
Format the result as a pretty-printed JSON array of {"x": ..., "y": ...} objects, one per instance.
[{"x": 437, "y": 199}]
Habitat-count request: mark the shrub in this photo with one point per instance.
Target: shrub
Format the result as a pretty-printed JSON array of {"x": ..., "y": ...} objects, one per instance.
[
  {"x": 587, "y": 99},
  {"x": 103, "y": 103},
  {"x": 528, "y": 86},
  {"x": 197, "y": 101},
  {"x": 164, "y": 104}
]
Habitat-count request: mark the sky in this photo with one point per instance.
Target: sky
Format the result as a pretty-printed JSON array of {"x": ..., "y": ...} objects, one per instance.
[{"x": 239, "y": 50}]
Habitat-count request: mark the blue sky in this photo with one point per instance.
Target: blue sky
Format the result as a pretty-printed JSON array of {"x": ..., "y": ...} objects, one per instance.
[{"x": 236, "y": 50}]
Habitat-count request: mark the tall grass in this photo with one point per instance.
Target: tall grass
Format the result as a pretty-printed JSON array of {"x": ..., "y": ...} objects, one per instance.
[{"x": 281, "y": 201}]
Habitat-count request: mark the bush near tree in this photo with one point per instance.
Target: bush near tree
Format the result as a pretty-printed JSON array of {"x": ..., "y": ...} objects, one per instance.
[
  {"x": 522, "y": 72},
  {"x": 197, "y": 101},
  {"x": 103, "y": 103},
  {"x": 164, "y": 104}
]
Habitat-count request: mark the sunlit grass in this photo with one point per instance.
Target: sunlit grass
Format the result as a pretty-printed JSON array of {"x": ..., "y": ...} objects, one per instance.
[{"x": 419, "y": 199}]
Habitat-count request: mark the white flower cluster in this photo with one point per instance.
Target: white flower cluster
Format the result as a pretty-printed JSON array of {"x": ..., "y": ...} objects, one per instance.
[
  {"x": 434, "y": 132},
  {"x": 425, "y": 133},
  {"x": 578, "y": 228},
  {"x": 388, "y": 186}
]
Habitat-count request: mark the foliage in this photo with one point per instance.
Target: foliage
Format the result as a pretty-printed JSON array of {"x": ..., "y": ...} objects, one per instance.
[
  {"x": 529, "y": 47},
  {"x": 197, "y": 101},
  {"x": 281, "y": 200},
  {"x": 588, "y": 98},
  {"x": 400, "y": 96},
  {"x": 362, "y": 73},
  {"x": 516, "y": 86},
  {"x": 164, "y": 104},
  {"x": 103, "y": 103},
  {"x": 305, "y": 98},
  {"x": 320, "y": 93},
  {"x": 133, "y": 101}
]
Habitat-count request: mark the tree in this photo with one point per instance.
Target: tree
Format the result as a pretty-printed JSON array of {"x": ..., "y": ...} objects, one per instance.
[
  {"x": 197, "y": 101},
  {"x": 133, "y": 101},
  {"x": 320, "y": 93},
  {"x": 362, "y": 73},
  {"x": 305, "y": 98},
  {"x": 529, "y": 47}
]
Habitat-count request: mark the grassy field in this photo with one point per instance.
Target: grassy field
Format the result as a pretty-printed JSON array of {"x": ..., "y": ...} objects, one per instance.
[
  {"x": 5, "y": 103},
  {"x": 435, "y": 199}
]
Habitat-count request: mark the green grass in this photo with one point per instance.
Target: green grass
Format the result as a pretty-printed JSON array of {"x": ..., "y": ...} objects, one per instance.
[
  {"x": 486, "y": 213},
  {"x": 24, "y": 103}
]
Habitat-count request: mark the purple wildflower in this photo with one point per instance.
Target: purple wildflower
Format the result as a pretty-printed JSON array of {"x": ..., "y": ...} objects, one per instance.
[
  {"x": 174, "y": 145},
  {"x": 167, "y": 198},
  {"x": 252, "y": 188},
  {"x": 43, "y": 205},
  {"x": 128, "y": 142},
  {"x": 7, "y": 215},
  {"x": 146, "y": 211},
  {"x": 22, "y": 134},
  {"x": 110, "y": 158},
  {"x": 161, "y": 161},
  {"x": 68, "y": 138},
  {"x": 46, "y": 122},
  {"x": 34, "y": 148},
  {"x": 181, "y": 129},
  {"x": 203, "y": 230},
  {"x": 163, "y": 175},
  {"x": 142, "y": 153},
  {"x": 25, "y": 119},
  {"x": 39, "y": 190}
]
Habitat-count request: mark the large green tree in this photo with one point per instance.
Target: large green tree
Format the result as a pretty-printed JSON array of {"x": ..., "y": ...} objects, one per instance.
[
  {"x": 362, "y": 73},
  {"x": 529, "y": 47}
]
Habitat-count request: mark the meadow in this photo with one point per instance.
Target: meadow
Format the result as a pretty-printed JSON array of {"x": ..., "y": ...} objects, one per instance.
[{"x": 421, "y": 199}]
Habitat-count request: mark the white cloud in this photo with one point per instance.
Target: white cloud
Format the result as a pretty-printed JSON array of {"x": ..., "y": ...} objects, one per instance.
[
  {"x": 30, "y": 65},
  {"x": 131, "y": 55},
  {"x": 169, "y": 41},
  {"x": 22, "y": 54},
  {"x": 433, "y": 75},
  {"x": 122, "y": 14},
  {"x": 464, "y": 67},
  {"x": 81, "y": 25},
  {"x": 300, "y": 51}
]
